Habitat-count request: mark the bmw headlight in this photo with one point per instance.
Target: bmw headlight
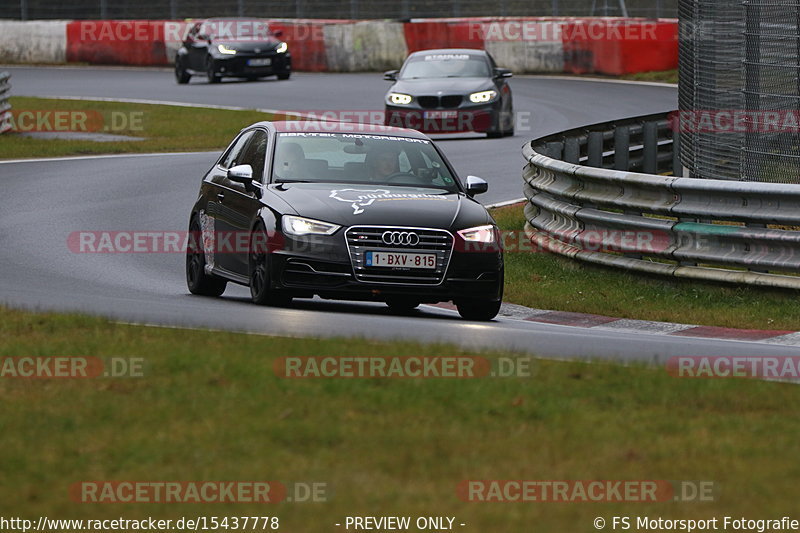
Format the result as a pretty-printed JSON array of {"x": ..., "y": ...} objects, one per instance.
[
  {"x": 399, "y": 98},
  {"x": 293, "y": 225},
  {"x": 225, "y": 50},
  {"x": 483, "y": 234},
  {"x": 281, "y": 48},
  {"x": 483, "y": 96}
]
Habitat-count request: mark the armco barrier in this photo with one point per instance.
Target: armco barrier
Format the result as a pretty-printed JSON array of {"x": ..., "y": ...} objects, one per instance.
[
  {"x": 38, "y": 41},
  {"x": 5, "y": 106},
  {"x": 619, "y": 46},
  {"x": 600, "y": 45},
  {"x": 364, "y": 46},
  {"x": 120, "y": 42},
  {"x": 584, "y": 202}
]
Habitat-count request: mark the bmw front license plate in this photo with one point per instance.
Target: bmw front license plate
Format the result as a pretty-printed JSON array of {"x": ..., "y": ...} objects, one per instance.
[
  {"x": 259, "y": 62},
  {"x": 400, "y": 260},
  {"x": 440, "y": 114}
]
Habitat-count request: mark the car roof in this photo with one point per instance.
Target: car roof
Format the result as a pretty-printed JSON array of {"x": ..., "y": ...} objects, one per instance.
[
  {"x": 469, "y": 51},
  {"x": 322, "y": 126},
  {"x": 226, "y": 19}
]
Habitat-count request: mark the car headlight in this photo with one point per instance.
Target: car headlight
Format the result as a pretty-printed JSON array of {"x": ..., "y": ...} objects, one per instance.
[
  {"x": 483, "y": 96},
  {"x": 281, "y": 48},
  {"x": 399, "y": 98},
  {"x": 225, "y": 50},
  {"x": 293, "y": 225},
  {"x": 483, "y": 234}
]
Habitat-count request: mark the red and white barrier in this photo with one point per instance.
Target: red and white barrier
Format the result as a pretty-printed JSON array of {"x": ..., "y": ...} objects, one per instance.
[{"x": 540, "y": 44}]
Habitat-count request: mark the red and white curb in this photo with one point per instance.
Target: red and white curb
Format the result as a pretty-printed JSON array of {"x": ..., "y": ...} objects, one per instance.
[{"x": 599, "y": 322}]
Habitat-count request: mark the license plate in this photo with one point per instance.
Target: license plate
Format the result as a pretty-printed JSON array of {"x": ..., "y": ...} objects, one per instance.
[
  {"x": 259, "y": 62},
  {"x": 400, "y": 260},
  {"x": 441, "y": 114}
]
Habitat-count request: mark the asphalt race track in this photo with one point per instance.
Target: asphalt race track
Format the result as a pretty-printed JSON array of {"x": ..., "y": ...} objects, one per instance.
[{"x": 44, "y": 201}]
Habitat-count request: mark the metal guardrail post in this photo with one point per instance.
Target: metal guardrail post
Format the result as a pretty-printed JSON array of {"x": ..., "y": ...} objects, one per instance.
[
  {"x": 650, "y": 141},
  {"x": 622, "y": 146},
  {"x": 572, "y": 150},
  {"x": 595, "y": 149}
]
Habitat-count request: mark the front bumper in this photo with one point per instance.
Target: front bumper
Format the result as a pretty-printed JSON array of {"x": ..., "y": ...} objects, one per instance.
[
  {"x": 327, "y": 267},
  {"x": 238, "y": 65},
  {"x": 465, "y": 118}
]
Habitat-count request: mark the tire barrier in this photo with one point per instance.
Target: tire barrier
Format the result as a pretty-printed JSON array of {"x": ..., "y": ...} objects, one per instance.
[
  {"x": 5, "y": 106},
  {"x": 541, "y": 44}
]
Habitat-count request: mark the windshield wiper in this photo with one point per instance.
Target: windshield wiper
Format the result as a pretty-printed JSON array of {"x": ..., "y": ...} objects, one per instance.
[{"x": 293, "y": 181}]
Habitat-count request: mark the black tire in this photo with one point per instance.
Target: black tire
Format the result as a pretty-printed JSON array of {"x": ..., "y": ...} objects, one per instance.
[
  {"x": 284, "y": 75},
  {"x": 482, "y": 310},
  {"x": 197, "y": 280},
  {"x": 211, "y": 74},
  {"x": 261, "y": 291},
  {"x": 402, "y": 305},
  {"x": 181, "y": 76}
]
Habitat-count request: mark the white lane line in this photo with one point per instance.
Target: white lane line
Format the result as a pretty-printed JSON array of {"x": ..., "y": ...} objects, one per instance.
[
  {"x": 505, "y": 203},
  {"x": 599, "y": 80},
  {"x": 166, "y": 102},
  {"x": 106, "y": 156}
]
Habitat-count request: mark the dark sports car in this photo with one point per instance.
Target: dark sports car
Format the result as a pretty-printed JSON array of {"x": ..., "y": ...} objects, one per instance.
[
  {"x": 344, "y": 211},
  {"x": 451, "y": 91},
  {"x": 242, "y": 48}
]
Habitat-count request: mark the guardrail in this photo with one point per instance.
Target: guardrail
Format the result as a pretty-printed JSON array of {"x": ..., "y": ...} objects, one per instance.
[
  {"x": 5, "y": 107},
  {"x": 586, "y": 202}
]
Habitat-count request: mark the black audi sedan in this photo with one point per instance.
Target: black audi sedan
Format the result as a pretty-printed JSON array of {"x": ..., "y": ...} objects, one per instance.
[
  {"x": 233, "y": 47},
  {"x": 344, "y": 211},
  {"x": 450, "y": 91}
]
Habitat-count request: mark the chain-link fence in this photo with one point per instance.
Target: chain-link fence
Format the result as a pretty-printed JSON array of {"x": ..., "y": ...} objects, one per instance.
[
  {"x": 346, "y": 9},
  {"x": 740, "y": 89}
]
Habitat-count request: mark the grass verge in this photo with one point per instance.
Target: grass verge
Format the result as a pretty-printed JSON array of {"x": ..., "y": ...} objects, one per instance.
[
  {"x": 548, "y": 281},
  {"x": 210, "y": 407},
  {"x": 164, "y": 128},
  {"x": 666, "y": 76}
]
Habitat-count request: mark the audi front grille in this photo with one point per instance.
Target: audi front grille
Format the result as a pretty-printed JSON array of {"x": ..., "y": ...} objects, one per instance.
[{"x": 362, "y": 239}]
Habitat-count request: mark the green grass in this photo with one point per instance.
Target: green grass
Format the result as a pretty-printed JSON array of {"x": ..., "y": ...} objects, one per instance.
[
  {"x": 666, "y": 76},
  {"x": 548, "y": 281},
  {"x": 165, "y": 128},
  {"x": 210, "y": 408}
]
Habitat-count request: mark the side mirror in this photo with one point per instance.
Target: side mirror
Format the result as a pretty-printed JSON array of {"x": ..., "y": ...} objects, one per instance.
[
  {"x": 241, "y": 174},
  {"x": 500, "y": 73},
  {"x": 476, "y": 185},
  {"x": 390, "y": 75}
]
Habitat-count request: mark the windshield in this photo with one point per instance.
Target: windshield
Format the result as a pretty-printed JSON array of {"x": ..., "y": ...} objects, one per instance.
[
  {"x": 445, "y": 66},
  {"x": 360, "y": 158}
]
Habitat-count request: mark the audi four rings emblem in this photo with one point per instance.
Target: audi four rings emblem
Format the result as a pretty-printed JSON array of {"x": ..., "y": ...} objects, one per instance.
[{"x": 403, "y": 238}]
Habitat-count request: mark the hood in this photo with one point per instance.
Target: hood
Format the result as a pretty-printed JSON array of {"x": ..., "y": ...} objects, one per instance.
[
  {"x": 353, "y": 204},
  {"x": 249, "y": 45},
  {"x": 446, "y": 85}
]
